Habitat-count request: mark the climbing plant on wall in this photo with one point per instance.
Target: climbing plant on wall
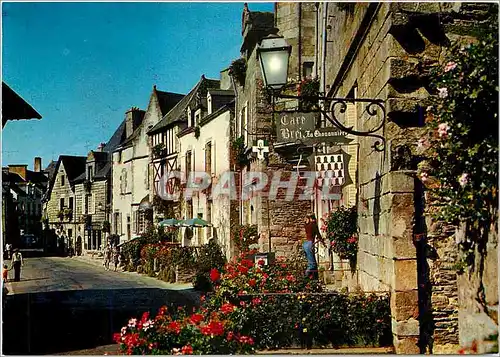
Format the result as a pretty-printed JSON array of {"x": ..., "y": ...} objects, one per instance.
[{"x": 461, "y": 146}]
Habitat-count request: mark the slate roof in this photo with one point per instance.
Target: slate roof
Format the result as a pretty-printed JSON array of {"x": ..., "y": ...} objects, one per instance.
[
  {"x": 14, "y": 107},
  {"x": 223, "y": 92},
  {"x": 74, "y": 166},
  {"x": 116, "y": 139},
  {"x": 50, "y": 169},
  {"x": 179, "y": 110},
  {"x": 167, "y": 100}
]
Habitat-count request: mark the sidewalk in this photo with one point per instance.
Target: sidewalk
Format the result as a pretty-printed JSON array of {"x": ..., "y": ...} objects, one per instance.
[{"x": 99, "y": 262}]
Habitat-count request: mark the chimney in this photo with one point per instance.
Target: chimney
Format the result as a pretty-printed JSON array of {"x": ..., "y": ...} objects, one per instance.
[
  {"x": 37, "y": 166},
  {"x": 100, "y": 147},
  {"x": 133, "y": 119},
  {"x": 19, "y": 169}
]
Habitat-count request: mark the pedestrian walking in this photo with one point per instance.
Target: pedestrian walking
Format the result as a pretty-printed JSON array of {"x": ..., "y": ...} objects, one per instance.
[
  {"x": 116, "y": 256},
  {"x": 17, "y": 263},
  {"x": 5, "y": 273},
  {"x": 107, "y": 256},
  {"x": 312, "y": 232}
]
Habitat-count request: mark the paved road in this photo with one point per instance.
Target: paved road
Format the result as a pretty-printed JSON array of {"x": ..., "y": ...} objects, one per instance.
[{"x": 64, "y": 304}]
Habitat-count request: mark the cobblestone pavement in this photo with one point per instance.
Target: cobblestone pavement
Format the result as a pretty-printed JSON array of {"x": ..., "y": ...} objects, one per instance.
[{"x": 68, "y": 304}]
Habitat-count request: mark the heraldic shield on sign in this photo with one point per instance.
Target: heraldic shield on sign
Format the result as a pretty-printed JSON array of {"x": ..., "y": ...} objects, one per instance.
[{"x": 333, "y": 168}]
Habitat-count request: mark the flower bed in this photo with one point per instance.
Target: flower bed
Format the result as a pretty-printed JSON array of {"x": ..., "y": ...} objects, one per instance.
[{"x": 263, "y": 307}]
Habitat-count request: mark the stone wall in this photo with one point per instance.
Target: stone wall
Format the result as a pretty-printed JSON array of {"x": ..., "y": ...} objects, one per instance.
[{"x": 385, "y": 51}]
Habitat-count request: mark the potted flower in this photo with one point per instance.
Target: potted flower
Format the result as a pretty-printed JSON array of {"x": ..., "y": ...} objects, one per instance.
[
  {"x": 60, "y": 215},
  {"x": 158, "y": 150},
  {"x": 340, "y": 227},
  {"x": 308, "y": 89},
  {"x": 68, "y": 213}
]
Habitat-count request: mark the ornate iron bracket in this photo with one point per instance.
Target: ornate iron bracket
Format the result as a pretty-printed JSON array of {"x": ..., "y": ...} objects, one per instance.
[{"x": 374, "y": 108}]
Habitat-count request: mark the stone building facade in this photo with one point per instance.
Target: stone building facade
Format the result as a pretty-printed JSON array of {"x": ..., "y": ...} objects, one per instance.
[
  {"x": 61, "y": 196},
  {"x": 385, "y": 51},
  {"x": 379, "y": 51}
]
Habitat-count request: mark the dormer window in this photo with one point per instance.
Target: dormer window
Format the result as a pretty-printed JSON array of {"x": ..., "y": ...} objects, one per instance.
[
  {"x": 209, "y": 103},
  {"x": 190, "y": 117},
  {"x": 197, "y": 117},
  {"x": 90, "y": 173}
]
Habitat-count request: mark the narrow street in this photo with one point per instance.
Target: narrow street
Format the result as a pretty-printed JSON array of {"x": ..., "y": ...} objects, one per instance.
[{"x": 66, "y": 304}]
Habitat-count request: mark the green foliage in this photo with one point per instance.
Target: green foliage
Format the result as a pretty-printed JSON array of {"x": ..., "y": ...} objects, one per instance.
[
  {"x": 460, "y": 169},
  {"x": 244, "y": 235},
  {"x": 341, "y": 228},
  {"x": 238, "y": 70},
  {"x": 239, "y": 148},
  {"x": 158, "y": 150},
  {"x": 210, "y": 256},
  {"x": 309, "y": 89}
]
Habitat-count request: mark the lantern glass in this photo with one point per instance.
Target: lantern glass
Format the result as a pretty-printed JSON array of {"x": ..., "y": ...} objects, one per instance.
[{"x": 274, "y": 54}]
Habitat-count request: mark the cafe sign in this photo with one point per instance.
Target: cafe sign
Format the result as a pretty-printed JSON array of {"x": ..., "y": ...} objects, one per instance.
[{"x": 295, "y": 126}]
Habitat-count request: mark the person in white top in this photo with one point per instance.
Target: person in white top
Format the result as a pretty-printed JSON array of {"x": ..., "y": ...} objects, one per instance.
[{"x": 17, "y": 263}]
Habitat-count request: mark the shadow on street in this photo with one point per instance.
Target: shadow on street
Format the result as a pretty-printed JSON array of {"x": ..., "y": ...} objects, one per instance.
[{"x": 60, "y": 321}]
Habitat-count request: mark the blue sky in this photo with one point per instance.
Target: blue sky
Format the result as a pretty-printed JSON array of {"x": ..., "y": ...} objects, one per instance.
[{"x": 82, "y": 65}]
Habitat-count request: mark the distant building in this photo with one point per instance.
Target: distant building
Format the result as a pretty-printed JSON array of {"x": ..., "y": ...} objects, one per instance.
[
  {"x": 22, "y": 192},
  {"x": 14, "y": 107},
  {"x": 60, "y": 213}
]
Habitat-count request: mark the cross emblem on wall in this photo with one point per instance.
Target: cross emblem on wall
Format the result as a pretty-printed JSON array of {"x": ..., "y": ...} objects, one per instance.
[{"x": 260, "y": 149}]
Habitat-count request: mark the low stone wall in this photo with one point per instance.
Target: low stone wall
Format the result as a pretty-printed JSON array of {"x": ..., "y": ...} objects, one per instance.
[{"x": 183, "y": 275}]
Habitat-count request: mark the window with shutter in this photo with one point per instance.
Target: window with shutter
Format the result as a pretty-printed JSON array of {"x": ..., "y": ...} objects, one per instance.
[{"x": 208, "y": 158}]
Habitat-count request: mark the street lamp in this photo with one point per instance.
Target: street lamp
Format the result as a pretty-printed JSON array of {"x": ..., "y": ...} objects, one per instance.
[{"x": 274, "y": 54}]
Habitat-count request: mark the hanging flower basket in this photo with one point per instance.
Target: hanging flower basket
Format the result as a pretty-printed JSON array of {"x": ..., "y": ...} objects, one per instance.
[
  {"x": 341, "y": 229},
  {"x": 158, "y": 150},
  {"x": 308, "y": 87}
]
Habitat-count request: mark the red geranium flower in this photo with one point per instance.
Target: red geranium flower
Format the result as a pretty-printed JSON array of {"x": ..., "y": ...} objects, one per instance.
[
  {"x": 227, "y": 308},
  {"x": 145, "y": 316},
  {"x": 261, "y": 262},
  {"x": 196, "y": 318},
  {"x": 214, "y": 275},
  {"x": 252, "y": 282},
  {"x": 243, "y": 269},
  {"x": 162, "y": 311},
  {"x": 187, "y": 350},
  {"x": 117, "y": 338},
  {"x": 246, "y": 339},
  {"x": 256, "y": 301},
  {"x": 174, "y": 326},
  {"x": 230, "y": 336},
  {"x": 215, "y": 328}
]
